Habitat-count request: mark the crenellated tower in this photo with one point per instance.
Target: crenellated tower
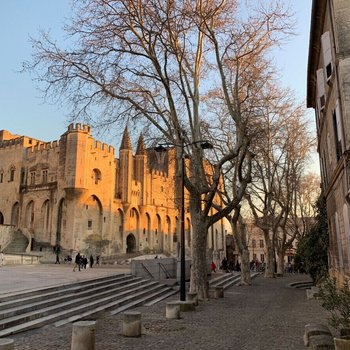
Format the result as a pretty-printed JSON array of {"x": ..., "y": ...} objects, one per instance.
[
  {"x": 141, "y": 167},
  {"x": 125, "y": 167}
]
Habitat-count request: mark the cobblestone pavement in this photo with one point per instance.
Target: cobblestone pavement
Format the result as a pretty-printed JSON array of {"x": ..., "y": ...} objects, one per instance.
[{"x": 265, "y": 316}]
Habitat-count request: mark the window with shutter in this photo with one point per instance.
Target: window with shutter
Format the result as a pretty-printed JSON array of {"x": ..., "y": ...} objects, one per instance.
[
  {"x": 339, "y": 123},
  {"x": 321, "y": 101},
  {"x": 327, "y": 54}
]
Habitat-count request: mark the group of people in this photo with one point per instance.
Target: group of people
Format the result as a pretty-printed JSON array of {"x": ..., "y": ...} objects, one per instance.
[
  {"x": 256, "y": 265},
  {"x": 226, "y": 266},
  {"x": 82, "y": 262}
]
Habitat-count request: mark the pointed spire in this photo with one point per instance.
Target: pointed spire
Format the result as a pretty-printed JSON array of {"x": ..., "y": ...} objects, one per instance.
[
  {"x": 141, "y": 150},
  {"x": 126, "y": 143}
]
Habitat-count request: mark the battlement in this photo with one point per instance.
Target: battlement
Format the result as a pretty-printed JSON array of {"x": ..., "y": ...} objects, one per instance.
[
  {"x": 78, "y": 127},
  {"x": 43, "y": 146},
  {"x": 160, "y": 173},
  {"x": 104, "y": 147},
  {"x": 19, "y": 141}
]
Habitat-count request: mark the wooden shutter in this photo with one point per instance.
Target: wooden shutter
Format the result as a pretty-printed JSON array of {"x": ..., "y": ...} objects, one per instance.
[
  {"x": 321, "y": 100},
  {"x": 327, "y": 54}
]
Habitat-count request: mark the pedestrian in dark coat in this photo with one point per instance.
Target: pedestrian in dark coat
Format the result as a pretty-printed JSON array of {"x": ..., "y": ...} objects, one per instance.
[
  {"x": 77, "y": 262},
  {"x": 91, "y": 260}
]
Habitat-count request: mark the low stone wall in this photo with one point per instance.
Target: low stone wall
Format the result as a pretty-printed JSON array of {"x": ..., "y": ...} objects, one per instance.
[{"x": 21, "y": 259}]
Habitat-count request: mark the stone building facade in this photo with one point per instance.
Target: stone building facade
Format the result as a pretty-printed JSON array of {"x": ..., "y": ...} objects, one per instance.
[
  {"x": 74, "y": 192},
  {"x": 328, "y": 92}
]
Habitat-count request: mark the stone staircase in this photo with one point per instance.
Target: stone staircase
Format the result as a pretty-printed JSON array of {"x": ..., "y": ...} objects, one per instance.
[
  {"x": 18, "y": 244},
  {"x": 81, "y": 300},
  {"x": 227, "y": 280}
]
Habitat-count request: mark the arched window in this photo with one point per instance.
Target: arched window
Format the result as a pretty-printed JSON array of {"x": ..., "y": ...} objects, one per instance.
[{"x": 96, "y": 175}]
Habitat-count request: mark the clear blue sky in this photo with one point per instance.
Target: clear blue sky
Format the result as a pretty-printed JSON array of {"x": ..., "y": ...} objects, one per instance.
[{"x": 21, "y": 109}]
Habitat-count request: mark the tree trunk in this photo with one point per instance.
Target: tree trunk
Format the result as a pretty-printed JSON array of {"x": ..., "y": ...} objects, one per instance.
[
  {"x": 245, "y": 268},
  {"x": 199, "y": 270},
  {"x": 280, "y": 262},
  {"x": 270, "y": 259}
]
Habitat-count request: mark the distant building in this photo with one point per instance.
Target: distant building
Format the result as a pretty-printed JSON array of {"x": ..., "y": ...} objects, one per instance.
[
  {"x": 328, "y": 92},
  {"x": 76, "y": 194}
]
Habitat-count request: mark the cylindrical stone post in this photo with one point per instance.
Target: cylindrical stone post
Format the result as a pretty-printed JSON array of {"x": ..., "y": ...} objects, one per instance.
[
  {"x": 219, "y": 292},
  {"x": 131, "y": 326},
  {"x": 7, "y": 344},
  {"x": 341, "y": 344},
  {"x": 172, "y": 310},
  {"x": 193, "y": 297},
  {"x": 83, "y": 335}
]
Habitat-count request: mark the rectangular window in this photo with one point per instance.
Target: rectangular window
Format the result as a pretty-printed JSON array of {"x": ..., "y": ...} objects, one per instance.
[
  {"x": 262, "y": 257},
  {"x": 44, "y": 176},
  {"x": 327, "y": 54},
  {"x": 1, "y": 177},
  {"x": 32, "y": 178},
  {"x": 254, "y": 243},
  {"x": 23, "y": 176},
  {"x": 12, "y": 174},
  {"x": 337, "y": 142},
  {"x": 321, "y": 101},
  {"x": 261, "y": 243},
  {"x": 89, "y": 224}
]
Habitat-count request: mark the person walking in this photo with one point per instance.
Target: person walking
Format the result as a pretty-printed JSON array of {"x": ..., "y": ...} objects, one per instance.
[
  {"x": 77, "y": 262},
  {"x": 213, "y": 267},
  {"x": 2, "y": 259},
  {"x": 57, "y": 251},
  {"x": 91, "y": 260}
]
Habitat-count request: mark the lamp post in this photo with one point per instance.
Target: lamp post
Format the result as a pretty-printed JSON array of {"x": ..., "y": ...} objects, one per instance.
[{"x": 161, "y": 149}]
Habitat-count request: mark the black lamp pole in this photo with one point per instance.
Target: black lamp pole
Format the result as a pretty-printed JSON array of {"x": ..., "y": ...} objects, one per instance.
[
  {"x": 182, "y": 251},
  {"x": 204, "y": 145}
]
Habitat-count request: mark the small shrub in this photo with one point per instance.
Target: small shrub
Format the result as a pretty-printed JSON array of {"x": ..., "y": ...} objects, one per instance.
[{"x": 337, "y": 302}]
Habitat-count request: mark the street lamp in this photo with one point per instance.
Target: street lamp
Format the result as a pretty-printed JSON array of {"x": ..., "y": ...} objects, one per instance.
[{"x": 161, "y": 149}]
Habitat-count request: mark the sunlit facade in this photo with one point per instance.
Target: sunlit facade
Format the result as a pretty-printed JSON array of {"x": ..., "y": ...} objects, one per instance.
[{"x": 75, "y": 192}]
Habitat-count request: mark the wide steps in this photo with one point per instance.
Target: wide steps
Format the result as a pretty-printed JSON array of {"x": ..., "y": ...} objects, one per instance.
[
  {"x": 54, "y": 293},
  {"x": 227, "y": 280},
  {"x": 66, "y": 299},
  {"x": 18, "y": 244},
  {"x": 75, "y": 301}
]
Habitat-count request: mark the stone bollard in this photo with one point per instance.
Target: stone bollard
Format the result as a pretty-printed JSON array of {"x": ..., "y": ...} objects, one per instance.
[
  {"x": 83, "y": 335},
  {"x": 193, "y": 298},
  {"x": 219, "y": 292},
  {"x": 172, "y": 310},
  {"x": 187, "y": 306},
  {"x": 342, "y": 344},
  {"x": 131, "y": 326},
  {"x": 7, "y": 344}
]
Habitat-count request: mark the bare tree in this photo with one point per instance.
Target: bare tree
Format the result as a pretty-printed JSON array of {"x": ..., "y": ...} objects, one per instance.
[
  {"x": 278, "y": 168},
  {"x": 162, "y": 62}
]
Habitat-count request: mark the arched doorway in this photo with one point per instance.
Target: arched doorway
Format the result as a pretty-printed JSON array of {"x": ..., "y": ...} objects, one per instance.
[
  {"x": 130, "y": 243},
  {"x": 15, "y": 214},
  {"x": 1, "y": 218}
]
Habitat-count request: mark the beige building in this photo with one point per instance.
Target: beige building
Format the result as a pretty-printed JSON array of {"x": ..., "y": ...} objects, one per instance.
[
  {"x": 74, "y": 192},
  {"x": 328, "y": 92}
]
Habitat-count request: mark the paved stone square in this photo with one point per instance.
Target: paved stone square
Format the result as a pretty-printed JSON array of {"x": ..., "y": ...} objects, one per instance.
[{"x": 266, "y": 316}]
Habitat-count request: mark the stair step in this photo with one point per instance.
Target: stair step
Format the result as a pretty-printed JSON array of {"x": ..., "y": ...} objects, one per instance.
[
  {"x": 106, "y": 289},
  {"x": 40, "y": 294},
  {"x": 114, "y": 304},
  {"x": 135, "y": 303},
  {"x": 100, "y": 304},
  {"x": 162, "y": 297},
  {"x": 42, "y": 291},
  {"x": 72, "y": 304}
]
